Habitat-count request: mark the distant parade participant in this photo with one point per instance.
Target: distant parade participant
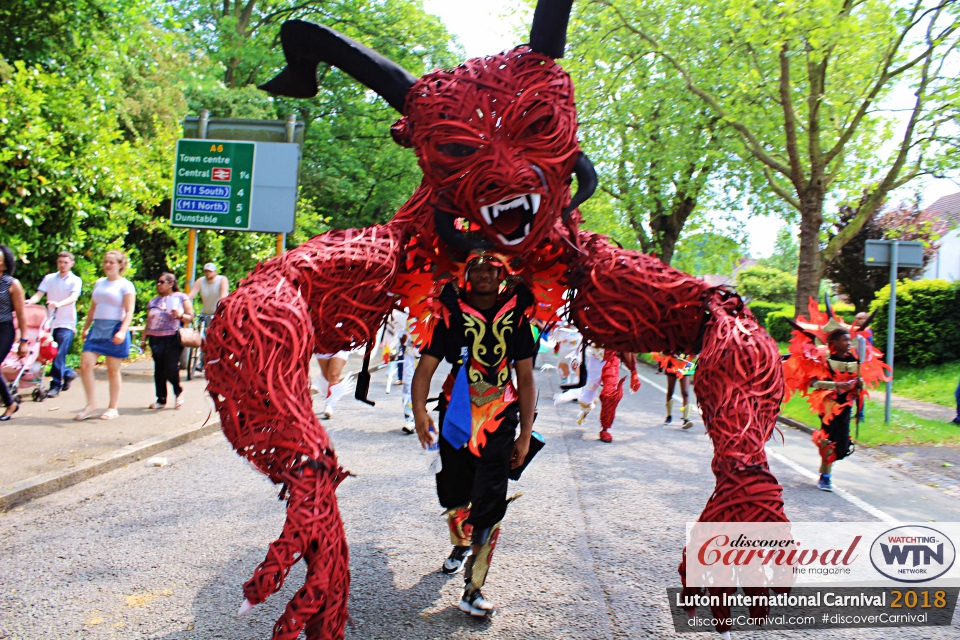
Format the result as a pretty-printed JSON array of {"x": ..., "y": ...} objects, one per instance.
[
  {"x": 604, "y": 382},
  {"x": 411, "y": 356},
  {"x": 568, "y": 347},
  {"x": 488, "y": 331},
  {"x": 679, "y": 367}
]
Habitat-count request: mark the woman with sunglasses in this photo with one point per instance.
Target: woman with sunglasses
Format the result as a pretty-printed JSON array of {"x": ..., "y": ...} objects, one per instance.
[{"x": 166, "y": 313}]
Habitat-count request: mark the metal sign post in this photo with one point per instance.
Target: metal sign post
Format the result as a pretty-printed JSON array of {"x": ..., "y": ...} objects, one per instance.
[
  {"x": 891, "y": 325},
  {"x": 880, "y": 253}
]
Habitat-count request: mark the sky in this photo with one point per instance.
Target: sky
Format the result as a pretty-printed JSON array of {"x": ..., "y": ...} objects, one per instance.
[{"x": 488, "y": 27}]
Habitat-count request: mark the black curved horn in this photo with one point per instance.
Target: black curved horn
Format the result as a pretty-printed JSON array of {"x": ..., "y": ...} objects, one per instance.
[
  {"x": 548, "y": 35},
  {"x": 307, "y": 44},
  {"x": 801, "y": 329},
  {"x": 826, "y": 302},
  {"x": 586, "y": 182}
]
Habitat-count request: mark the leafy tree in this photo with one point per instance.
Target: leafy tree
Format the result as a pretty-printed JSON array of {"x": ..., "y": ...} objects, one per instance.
[
  {"x": 767, "y": 284},
  {"x": 803, "y": 83},
  {"x": 351, "y": 171},
  {"x": 708, "y": 252},
  {"x": 786, "y": 252},
  {"x": 657, "y": 148},
  {"x": 848, "y": 269},
  {"x": 68, "y": 177}
]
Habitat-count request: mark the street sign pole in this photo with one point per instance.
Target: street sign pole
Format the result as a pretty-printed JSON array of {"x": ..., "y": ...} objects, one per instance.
[
  {"x": 891, "y": 323},
  {"x": 192, "y": 233},
  {"x": 291, "y": 132},
  {"x": 896, "y": 254}
]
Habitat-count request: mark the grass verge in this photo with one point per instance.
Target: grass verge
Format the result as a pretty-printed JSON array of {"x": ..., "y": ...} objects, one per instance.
[
  {"x": 904, "y": 427},
  {"x": 936, "y": 383}
]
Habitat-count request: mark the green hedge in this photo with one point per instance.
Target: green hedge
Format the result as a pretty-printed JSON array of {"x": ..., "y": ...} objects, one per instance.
[
  {"x": 761, "y": 309},
  {"x": 777, "y": 325},
  {"x": 780, "y": 330},
  {"x": 928, "y": 321}
]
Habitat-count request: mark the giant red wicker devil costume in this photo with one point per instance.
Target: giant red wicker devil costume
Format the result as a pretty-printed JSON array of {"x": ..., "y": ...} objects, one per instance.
[{"x": 496, "y": 138}]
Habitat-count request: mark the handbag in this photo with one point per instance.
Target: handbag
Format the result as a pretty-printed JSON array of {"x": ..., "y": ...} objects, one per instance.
[{"x": 189, "y": 337}]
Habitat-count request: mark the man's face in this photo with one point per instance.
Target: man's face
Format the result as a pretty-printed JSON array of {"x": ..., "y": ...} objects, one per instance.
[
  {"x": 485, "y": 278},
  {"x": 210, "y": 274},
  {"x": 64, "y": 264},
  {"x": 841, "y": 346}
]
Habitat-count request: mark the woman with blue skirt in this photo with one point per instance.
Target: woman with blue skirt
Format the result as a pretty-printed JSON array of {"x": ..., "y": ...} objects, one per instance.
[{"x": 107, "y": 332}]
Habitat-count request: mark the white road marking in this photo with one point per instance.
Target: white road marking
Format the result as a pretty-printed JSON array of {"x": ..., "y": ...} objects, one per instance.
[
  {"x": 652, "y": 383},
  {"x": 852, "y": 499}
]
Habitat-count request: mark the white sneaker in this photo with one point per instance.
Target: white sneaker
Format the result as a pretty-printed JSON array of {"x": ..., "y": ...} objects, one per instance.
[
  {"x": 327, "y": 413},
  {"x": 456, "y": 561},
  {"x": 476, "y": 605}
]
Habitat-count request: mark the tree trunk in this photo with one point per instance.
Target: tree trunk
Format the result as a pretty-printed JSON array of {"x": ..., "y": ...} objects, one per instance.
[{"x": 810, "y": 269}]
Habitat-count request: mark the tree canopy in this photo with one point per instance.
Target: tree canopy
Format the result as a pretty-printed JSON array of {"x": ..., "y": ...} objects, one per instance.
[{"x": 808, "y": 88}]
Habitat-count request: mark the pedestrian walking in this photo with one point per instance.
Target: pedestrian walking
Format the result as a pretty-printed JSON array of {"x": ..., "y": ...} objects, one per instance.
[
  {"x": 11, "y": 304},
  {"x": 62, "y": 289},
  {"x": 480, "y": 410},
  {"x": 166, "y": 314},
  {"x": 106, "y": 332},
  {"x": 956, "y": 397},
  {"x": 212, "y": 288}
]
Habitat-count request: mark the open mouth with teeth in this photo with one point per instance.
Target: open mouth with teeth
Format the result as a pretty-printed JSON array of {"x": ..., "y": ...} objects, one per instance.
[{"x": 512, "y": 218}]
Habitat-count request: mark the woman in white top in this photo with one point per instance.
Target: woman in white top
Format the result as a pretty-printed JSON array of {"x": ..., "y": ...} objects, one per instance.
[{"x": 107, "y": 332}]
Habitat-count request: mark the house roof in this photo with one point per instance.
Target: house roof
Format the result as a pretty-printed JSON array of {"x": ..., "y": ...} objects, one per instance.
[{"x": 947, "y": 209}]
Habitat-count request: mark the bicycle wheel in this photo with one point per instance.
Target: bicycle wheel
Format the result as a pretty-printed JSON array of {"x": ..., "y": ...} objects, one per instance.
[{"x": 191, "y": 360}]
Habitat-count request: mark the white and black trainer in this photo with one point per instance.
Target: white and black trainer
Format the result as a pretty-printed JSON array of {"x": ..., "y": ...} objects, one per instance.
[
  {"x": 458, "y": 557},
  {"x": 475, "y": 604}
]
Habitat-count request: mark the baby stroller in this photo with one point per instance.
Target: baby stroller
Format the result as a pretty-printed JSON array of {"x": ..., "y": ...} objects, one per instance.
[{"x": 29, "y": 371}]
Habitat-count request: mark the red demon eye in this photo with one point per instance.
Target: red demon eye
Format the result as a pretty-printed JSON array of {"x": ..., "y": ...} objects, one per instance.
[
  {"x": 537, "y": 126},
  {"x": 456, "y": 149}
]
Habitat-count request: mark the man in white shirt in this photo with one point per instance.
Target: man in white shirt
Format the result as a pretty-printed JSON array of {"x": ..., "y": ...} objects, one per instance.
[{"x": 62, "y": 290}]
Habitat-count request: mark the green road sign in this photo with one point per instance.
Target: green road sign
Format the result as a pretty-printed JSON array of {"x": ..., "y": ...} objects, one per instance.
[{"x": 212, "y": 184}]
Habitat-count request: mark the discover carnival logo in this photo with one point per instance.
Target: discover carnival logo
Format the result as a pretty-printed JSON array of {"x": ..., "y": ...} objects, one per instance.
[{"x": 912, "y": 553}]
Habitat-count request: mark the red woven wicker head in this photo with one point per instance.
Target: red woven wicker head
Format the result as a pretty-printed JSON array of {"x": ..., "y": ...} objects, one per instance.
[{"x": 496, "y": 138}]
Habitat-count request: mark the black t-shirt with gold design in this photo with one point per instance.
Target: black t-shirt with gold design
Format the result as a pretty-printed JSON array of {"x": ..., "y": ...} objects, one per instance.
[{"x": 495, "y": 338}]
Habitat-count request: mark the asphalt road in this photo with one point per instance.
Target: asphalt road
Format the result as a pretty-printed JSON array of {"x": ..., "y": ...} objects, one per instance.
[{"x": 587, "y": 552}]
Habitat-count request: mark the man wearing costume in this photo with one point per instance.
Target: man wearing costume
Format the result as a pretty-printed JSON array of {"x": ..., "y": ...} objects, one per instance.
[{"x": 485, "y": 334}]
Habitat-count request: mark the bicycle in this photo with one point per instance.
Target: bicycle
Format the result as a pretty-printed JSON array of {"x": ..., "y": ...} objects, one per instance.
[{"x": 195, "y": 354}]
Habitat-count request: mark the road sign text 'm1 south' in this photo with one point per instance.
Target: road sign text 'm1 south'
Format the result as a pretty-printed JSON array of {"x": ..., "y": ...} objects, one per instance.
[{"x": 213, "y": 184}]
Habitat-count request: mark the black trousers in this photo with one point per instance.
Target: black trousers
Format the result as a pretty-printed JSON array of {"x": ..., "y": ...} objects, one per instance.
[
  {"x": 838, "y": 430},
  {"x": 166, "y": 364},
  {"x": 481, "y": 481},
  {"x": 7, "y": 334}
]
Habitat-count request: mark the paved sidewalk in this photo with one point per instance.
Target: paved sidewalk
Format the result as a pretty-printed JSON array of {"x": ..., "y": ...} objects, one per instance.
[
  {"x": 927, "y": 410},
  {"x": 43, "y": 437}
]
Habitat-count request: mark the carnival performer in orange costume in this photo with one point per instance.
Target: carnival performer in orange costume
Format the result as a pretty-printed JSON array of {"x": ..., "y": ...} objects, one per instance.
[
  {"x": 823, "y": 368},
  {"x": 678, "y": 367}
]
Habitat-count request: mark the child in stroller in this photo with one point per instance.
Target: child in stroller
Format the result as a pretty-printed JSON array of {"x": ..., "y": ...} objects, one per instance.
[{"x": 29, "y": 371}]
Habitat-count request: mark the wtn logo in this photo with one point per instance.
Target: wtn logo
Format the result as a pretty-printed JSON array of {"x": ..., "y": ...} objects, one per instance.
[
  {"x": 912, "y": 553},
  {"x": 899, "y": 554}
]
